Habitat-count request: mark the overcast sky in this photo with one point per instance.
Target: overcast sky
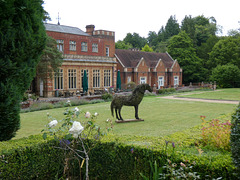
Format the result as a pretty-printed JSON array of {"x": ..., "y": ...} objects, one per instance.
[{"x": 129, "y": 16}]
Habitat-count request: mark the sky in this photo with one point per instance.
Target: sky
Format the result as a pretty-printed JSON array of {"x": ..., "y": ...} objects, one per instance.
[{"x": 129, "y": 16}]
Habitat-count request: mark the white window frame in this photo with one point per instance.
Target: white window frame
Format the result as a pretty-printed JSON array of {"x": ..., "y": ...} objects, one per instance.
[
  {"x": 84, "y": 47},
  {"x": 160, "y": 81},
  {"x": 72, "y": 45},
  {"x": 94, "y": 47},
  {"x": 96, "y": 78},
  {"x": 60, "y": 45},
  {"x": 143, "y": 80},
  {"x": 72, "y": 78},
  {"x": 107, "y": 78},
  {"x": 176, "y": 81}
]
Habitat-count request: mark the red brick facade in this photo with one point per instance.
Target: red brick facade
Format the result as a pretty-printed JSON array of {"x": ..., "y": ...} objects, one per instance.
[
  {"x": 92, "y": 50},
  {"x": 157, "y": 69}
]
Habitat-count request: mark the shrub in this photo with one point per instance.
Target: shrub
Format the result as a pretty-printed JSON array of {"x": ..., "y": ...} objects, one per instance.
[
  {"x": 166, "y": 91},
  {"x": 235, "y": 139},
  {"x": 216, "y": 133},
  {"x": 106, "y": 96}
]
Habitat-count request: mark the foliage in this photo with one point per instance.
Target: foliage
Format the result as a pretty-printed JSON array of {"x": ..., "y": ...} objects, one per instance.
[
  {"x": 107, "y": 96},
  {"x": 135, "y": 40},
  {"x": 226, "y": 76},
  {"x": 22, "y": 39},
  {"x": 171, "y": 28},
  {"x": 122, "y": 45},
  {"x": 146, "y": 48},
  {"x": 73, "y": 137},
  {"x": 166, "y": 91},
  {"x": 51, "y": 59},
  {"x": 181, "y": 47},
  {"x": 225, "y": 51},
  {"x": 235, "y": 139},
  {"x": 216, "y": 133}
]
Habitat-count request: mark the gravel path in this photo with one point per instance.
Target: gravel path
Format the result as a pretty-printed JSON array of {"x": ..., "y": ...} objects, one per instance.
[{"x": 201, "y": 100}]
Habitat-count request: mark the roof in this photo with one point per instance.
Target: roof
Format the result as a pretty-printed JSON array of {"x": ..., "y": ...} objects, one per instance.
[
  {"x": 131, "y": 58},
  {"x": 65, "y": 29}
]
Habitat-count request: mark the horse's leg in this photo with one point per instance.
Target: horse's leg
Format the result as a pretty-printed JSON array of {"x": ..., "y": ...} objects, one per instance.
[
  {"x": 136, "y": 111},
  {"x": 119, "y": 111},
  {"x": 116, "y": 112}
]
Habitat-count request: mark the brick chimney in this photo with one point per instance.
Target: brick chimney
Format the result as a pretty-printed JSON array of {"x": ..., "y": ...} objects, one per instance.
[{"x": 90, "y": 29}]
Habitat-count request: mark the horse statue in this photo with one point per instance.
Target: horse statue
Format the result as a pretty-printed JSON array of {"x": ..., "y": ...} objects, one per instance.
[{"x": 129, "y": 100}]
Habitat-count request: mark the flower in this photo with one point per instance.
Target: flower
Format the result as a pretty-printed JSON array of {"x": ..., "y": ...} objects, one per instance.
[
  {"x": 107, "y": 120},
  {"x": 76, "y": 109},
  {"x": 53, "y": 123},
  {"x": 76, "y": 129},
  {"x": 96, "y": 114},
  {"x": 173, "y": 144},
  {"x": 182, "y": 164},
  {"x": 87, "y": 115},
  {"x": 132, "y": 150},
  {"x": 68, "y": 101}
]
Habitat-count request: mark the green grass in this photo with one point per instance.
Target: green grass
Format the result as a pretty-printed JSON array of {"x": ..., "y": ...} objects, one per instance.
[
  {"x": 161, "y": 116},
  {"x": 221, "y": 94}
]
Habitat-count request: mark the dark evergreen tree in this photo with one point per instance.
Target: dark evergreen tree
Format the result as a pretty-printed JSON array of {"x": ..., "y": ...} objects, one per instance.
[
  {"x": 171, "y": 28},
  {"x": 135, "y": 40},
  {"x": 22, "y": 39}
]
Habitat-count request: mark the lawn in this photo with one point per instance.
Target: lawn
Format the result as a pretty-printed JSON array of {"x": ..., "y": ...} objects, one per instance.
[
  {"x": 161, "y": 116},
  {"x": 221, "y": 94}
]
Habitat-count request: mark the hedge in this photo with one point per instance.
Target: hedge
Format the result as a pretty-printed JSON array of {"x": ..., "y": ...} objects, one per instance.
[{"x": 122, "y": 157}]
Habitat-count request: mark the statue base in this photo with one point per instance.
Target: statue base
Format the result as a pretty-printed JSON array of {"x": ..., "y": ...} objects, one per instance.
[{"x": 128, "y": 120}]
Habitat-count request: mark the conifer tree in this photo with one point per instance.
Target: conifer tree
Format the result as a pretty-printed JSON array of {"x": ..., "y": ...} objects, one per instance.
[{"x": 22, "y": 40}]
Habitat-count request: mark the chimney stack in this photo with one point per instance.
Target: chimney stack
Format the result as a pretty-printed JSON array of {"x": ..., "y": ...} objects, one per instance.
[{"x": 90, "y": 29}]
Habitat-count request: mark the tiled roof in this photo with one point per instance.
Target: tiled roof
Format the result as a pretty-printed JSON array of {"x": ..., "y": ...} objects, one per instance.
[
  {"x": 131, "y": 58},
  {"x": 64, "y": 29}
]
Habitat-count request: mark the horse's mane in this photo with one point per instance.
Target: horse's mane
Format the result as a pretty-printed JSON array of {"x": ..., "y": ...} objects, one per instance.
[{"x": 138, "y": 89}]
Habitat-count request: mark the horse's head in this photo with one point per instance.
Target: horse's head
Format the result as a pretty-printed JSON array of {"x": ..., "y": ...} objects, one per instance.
[{"x": 144, "y": 87}]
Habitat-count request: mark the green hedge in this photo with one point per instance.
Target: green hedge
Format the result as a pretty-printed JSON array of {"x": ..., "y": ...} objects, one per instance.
[
  {"x": 166, "y": 91},
  {"x": 123, "y": 157}
]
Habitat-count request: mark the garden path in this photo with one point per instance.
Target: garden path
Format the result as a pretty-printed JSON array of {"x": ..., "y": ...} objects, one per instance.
[{"x": 201, "y": 100}]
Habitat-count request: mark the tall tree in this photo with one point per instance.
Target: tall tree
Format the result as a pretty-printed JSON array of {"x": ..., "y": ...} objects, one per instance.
[
  {"x": 51, "y": 59},
  {"x": 22, "y": 39},
  {"x": 181, "y": 48},
  {"x": 225, "y": 51},
  {"x": 172, "y": 27},
  {"x": 122, "y": 45},
  {"x": 146, "y": 48},
  {"x": 188, "y": 25},
  {"x": 135, "y": 40}
]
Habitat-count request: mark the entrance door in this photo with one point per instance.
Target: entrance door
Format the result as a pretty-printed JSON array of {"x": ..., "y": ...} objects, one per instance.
[
  {"x": 41, "y": 88},
  {"x": 160, "y": 82},
  {"x": 176, "y": 81}
]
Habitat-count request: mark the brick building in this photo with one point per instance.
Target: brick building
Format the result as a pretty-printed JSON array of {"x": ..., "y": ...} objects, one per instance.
[
  {"x": 92, "y": 51},
  {"x": 147, "y": 67}
]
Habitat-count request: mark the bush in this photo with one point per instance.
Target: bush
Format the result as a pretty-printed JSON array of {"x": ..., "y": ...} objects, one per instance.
[
  {"x": 166, "y": 91},
  {"x": 107, "y": 97},
  {"x": 216, "y": 133},
  {"x": 235, "y": 139}
]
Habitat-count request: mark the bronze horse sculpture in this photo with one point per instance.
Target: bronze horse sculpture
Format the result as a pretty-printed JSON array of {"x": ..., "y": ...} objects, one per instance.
[{"x": 129, "y": 100}]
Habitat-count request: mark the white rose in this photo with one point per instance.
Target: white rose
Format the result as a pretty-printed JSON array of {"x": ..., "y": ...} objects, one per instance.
[
  {"x": 87, "y": 115},
  {"x": 76, "y": 109},
  {"x": 96, "y": 114},
  {"x": 53, "y": 123},
  {"x": 68, "y": 101},
  {"x": 76, "y": 129}
]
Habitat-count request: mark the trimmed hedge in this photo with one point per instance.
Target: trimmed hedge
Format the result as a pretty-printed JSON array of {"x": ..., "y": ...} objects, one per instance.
[{"x": 123, "y": 157}]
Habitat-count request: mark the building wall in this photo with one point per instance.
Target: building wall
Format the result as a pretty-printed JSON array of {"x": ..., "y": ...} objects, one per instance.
[{"x": 80, "y": 60}]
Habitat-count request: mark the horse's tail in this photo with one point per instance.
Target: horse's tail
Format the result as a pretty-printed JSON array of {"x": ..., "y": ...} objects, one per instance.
[{"x": 112, "y": 108}]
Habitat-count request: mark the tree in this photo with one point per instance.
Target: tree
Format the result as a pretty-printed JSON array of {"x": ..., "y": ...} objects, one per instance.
[
  {"x": 225, "y": 51},
  {"x": 226, "y": 76},
  {"x": 181, "y": 48},
  {"x": 122, "y": 45},
  {"x": 135, "y": 40},
  {"x": 22, "y": 39},
  {"x": 51, "y": 59},
  {"x": 146, "y": 48},
  {"x": 188, "y": 26},
  {"x": 171, "y": 28},
  {"x": 152, "y": 38}
]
